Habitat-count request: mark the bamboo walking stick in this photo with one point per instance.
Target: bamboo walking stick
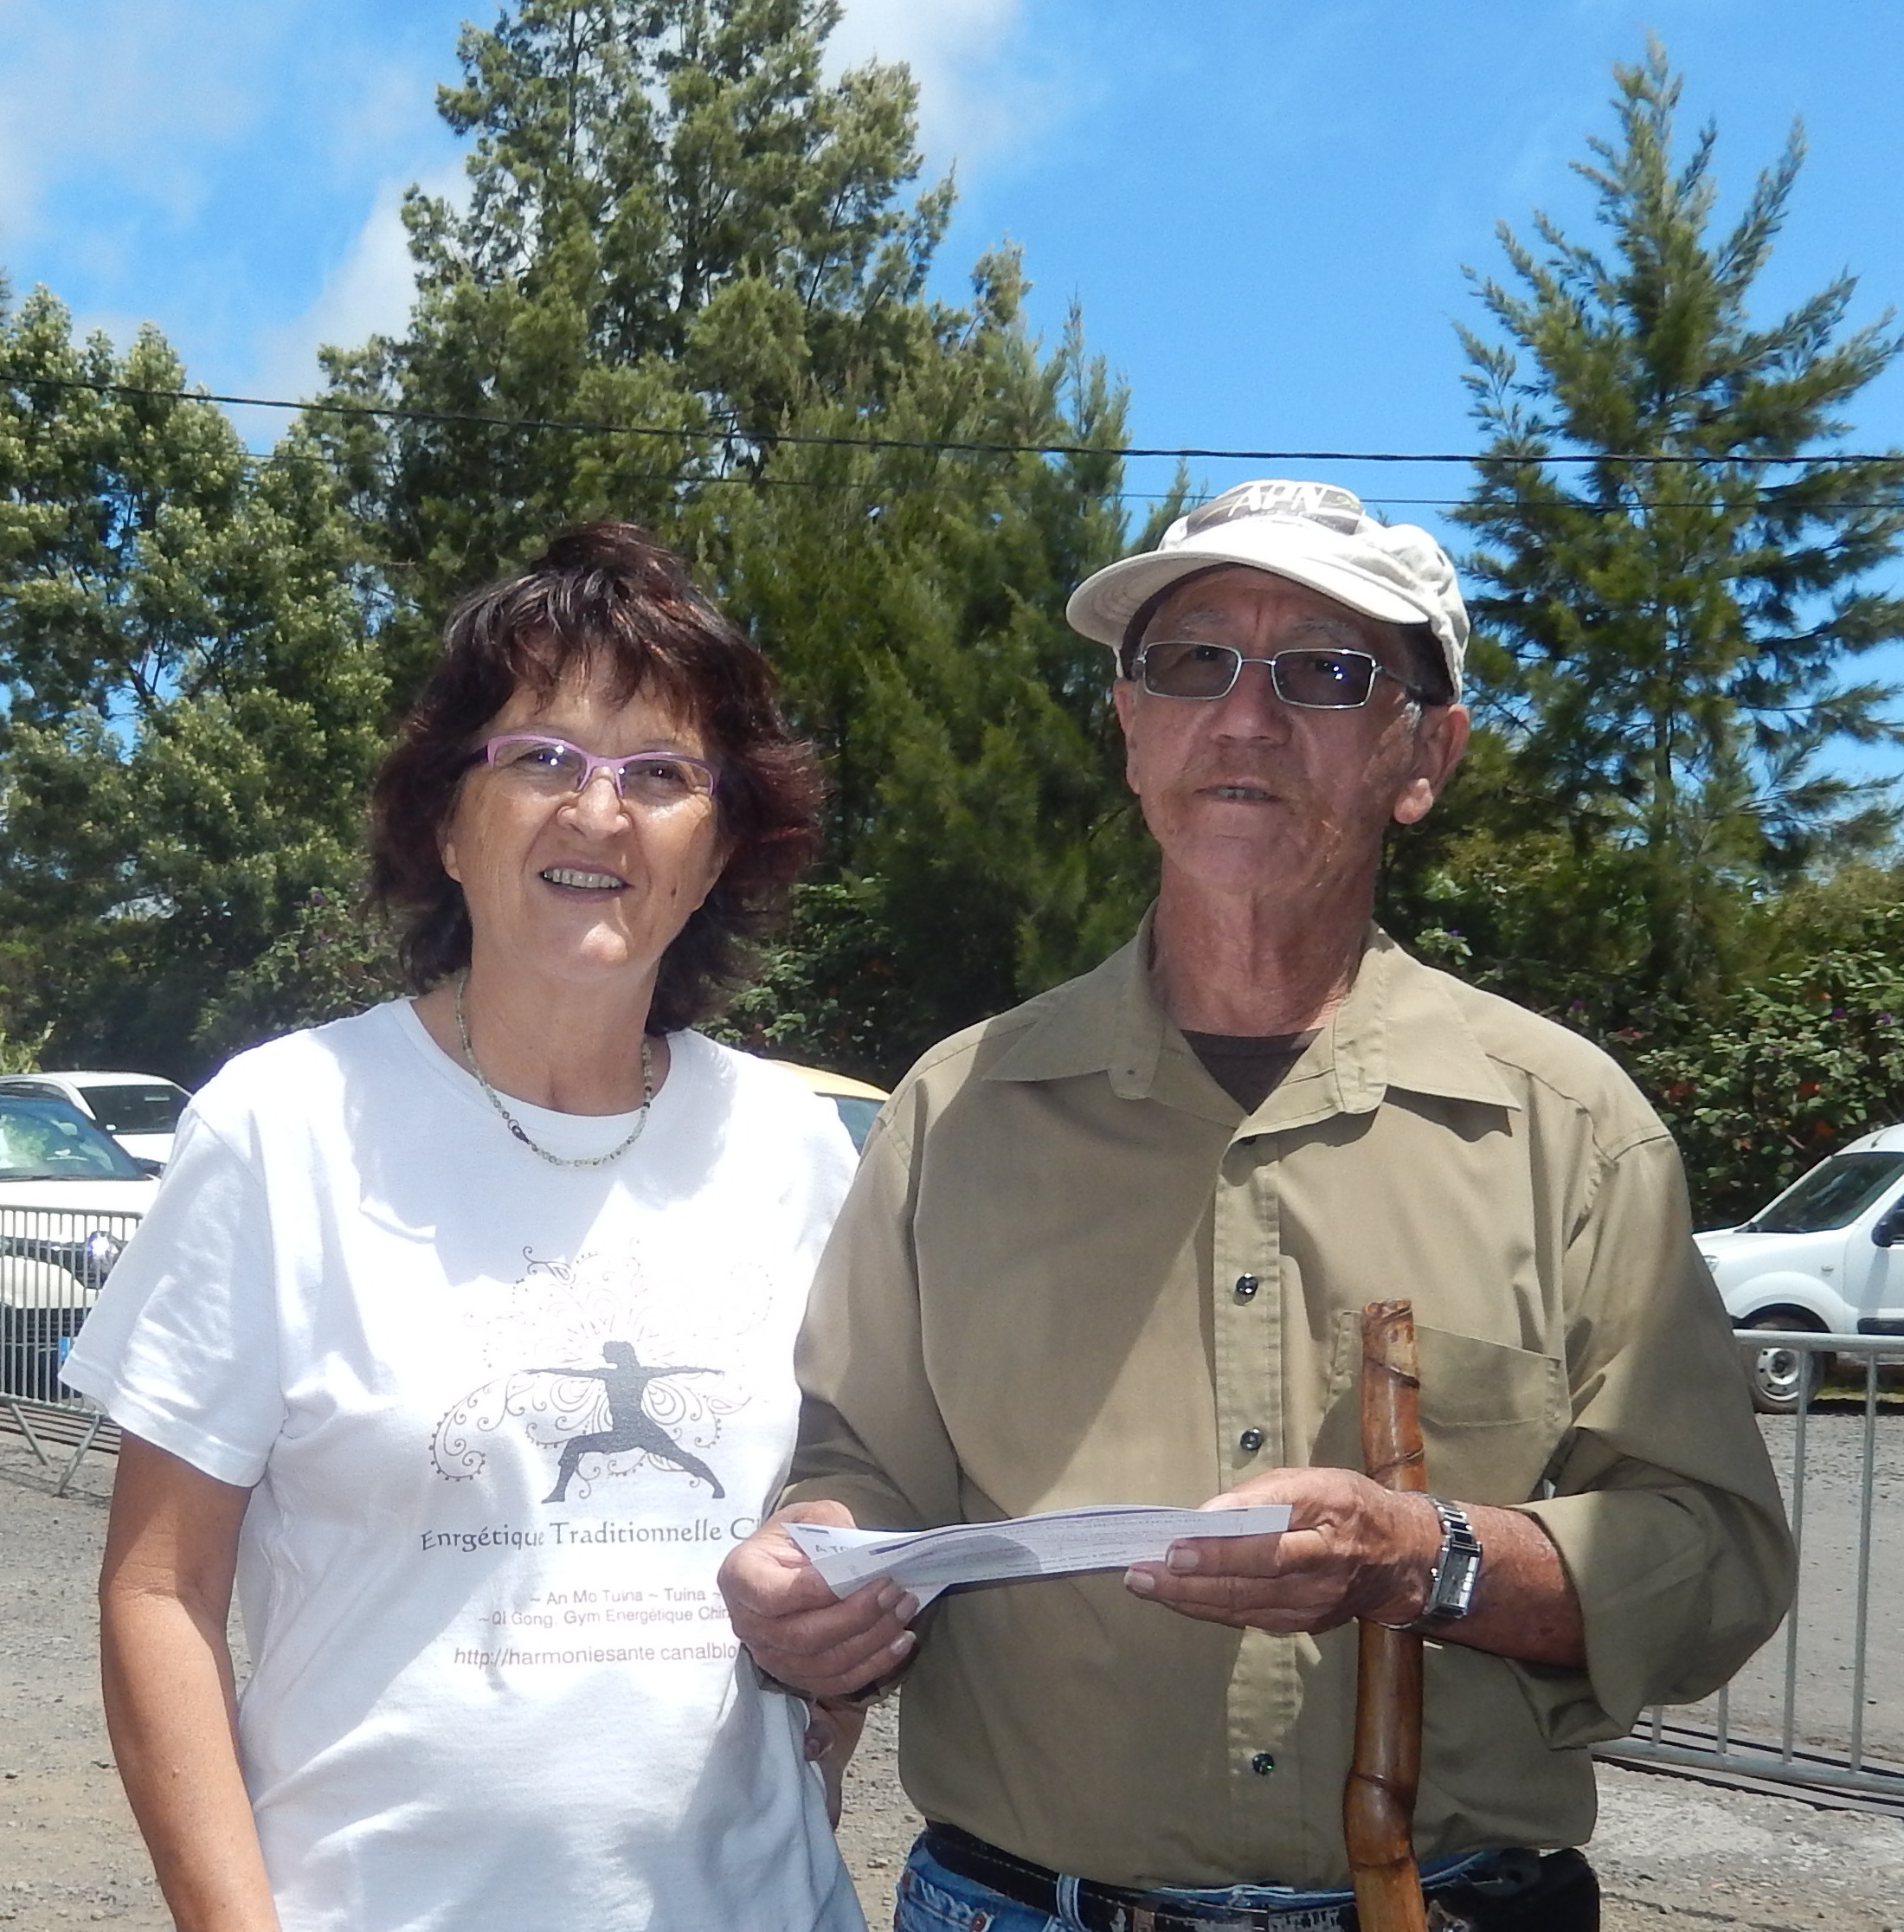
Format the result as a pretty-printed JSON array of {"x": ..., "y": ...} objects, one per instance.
[{"x": 1378, "y": 1800}]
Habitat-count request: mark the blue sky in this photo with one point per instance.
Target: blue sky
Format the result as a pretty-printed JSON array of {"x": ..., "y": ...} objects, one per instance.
[{"x": 1264, "y": 208}]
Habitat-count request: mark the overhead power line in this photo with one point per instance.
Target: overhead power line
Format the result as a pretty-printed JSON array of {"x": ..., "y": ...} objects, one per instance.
[
  {"x": 886, "y": 491},
  {"x": 394, "y": 413}
]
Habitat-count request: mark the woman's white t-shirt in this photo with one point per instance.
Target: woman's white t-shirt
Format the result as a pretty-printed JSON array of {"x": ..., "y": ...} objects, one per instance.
[{"x": 504, "y": 1421}]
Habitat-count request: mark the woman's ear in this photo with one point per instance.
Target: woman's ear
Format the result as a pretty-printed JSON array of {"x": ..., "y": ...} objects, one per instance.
[{"x": 445, "y": 837}]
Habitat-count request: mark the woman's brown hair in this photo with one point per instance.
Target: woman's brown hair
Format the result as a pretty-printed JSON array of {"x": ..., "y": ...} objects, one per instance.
[{"x": 607, "y": 601}]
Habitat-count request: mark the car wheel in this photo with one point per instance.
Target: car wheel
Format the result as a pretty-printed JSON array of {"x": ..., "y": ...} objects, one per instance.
[{"x": 1783, "y": 1380}]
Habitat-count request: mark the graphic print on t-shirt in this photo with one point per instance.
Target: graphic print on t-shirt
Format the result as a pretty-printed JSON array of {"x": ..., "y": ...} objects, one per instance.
[
  {"x": 625, "y": 1384},
  {"x": 596, "y": 1362}
]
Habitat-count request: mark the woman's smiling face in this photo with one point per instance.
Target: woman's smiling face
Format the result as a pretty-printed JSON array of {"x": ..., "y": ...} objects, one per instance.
[{"x": 581, "y": 884}]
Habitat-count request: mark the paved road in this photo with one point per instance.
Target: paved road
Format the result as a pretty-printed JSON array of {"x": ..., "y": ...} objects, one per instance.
[
  {"x": 1835, "y": 1449},
  {"x": 1669, "y": 1850}
]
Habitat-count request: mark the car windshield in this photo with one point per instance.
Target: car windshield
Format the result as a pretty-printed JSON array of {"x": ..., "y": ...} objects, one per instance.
[
  {"x": 1831, "y": 1195},
  {"x": 857, "y": 1113},
  {"x": 52, "y": 1140},
  {"x": 152, "y": 1109}
]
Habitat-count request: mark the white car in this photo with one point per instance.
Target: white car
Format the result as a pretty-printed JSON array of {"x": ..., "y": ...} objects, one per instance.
[
  {"x": 140, "y": 1110},
  {"x": 1819, "y": 1257},
  {"x": 70, "y": 1197}
]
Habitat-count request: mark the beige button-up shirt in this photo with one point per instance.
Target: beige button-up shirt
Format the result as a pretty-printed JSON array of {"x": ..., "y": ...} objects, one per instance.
[{"x": 1069, "y": 1273}]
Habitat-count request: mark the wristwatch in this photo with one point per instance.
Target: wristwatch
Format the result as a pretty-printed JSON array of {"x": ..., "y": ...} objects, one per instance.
[{"x": 1457, "y": 1570}]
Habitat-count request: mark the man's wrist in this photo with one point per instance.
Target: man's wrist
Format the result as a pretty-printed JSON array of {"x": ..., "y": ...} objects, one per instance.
[
  {"x": 871, "y": 1692},
  {"x": 1443, "y": 1588},
  {"x": 864, "y": 1698}
]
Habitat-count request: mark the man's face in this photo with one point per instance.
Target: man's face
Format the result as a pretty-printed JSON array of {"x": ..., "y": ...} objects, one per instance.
[{"x": 1246, "y": 793}]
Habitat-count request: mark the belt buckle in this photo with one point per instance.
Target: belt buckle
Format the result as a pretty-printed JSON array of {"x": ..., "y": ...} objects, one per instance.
[{"x": 1127, "y": 1914}]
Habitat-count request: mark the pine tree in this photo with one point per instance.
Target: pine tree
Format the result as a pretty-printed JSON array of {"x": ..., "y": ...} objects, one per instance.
[
  {"x": 913, "y": 600},
  {"x": 1666, "y": 629},
  {"x": 674, "y": 223}
]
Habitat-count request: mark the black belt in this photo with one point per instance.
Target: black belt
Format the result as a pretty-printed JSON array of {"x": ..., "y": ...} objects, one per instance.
[{"x": 1112, "y": 1908}]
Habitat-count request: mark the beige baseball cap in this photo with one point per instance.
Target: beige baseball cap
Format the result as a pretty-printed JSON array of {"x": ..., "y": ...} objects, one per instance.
[{"x": 1315, "y": 534}]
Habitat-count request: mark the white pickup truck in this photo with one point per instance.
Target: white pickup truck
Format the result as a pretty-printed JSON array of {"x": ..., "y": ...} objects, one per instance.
[{"x": 1819, "y": 1257}]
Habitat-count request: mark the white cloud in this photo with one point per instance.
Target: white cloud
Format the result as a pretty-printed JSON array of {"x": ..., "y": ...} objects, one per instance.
[
  {"x": 368, "y": 293},
  {"x": 977, "y": 100},
  {"x": 135, "y": 92},
  {"x": 385, "y": 105}
]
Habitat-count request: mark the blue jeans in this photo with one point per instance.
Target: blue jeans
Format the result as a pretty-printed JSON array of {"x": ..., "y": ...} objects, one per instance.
[{"x": 932, "y": 1899}]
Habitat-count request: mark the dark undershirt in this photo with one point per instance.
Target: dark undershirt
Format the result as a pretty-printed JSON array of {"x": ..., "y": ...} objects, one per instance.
[{"x": 1249, "y": 1067}]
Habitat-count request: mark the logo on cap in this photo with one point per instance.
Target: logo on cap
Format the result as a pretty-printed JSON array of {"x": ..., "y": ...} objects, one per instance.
[{"x": 1328, "y": 503}]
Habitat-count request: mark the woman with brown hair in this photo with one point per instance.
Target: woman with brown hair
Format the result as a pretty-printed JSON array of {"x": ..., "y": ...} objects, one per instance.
[{"x": 461, "y": 1333}]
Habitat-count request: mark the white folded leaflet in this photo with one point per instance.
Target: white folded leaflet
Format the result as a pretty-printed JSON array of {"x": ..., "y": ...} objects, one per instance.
[{"x": 926, "y": 1562}]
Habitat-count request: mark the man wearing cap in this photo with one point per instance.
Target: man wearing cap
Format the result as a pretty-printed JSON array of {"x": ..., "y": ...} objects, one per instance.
[{"x": 1113, "y": 1247}]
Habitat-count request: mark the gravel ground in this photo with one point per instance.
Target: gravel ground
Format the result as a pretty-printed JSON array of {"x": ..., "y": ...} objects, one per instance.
[{"x": 1670, "y": 1851}]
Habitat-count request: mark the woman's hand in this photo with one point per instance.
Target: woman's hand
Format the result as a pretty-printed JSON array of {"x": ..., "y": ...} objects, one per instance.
[
  {"x": 171, "y": 1550},
  {"x": 832, "y": 1734}
]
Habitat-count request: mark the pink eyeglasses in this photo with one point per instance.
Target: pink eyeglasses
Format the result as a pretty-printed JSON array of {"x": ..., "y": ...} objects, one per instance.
[{"x": 653, "y": 779}]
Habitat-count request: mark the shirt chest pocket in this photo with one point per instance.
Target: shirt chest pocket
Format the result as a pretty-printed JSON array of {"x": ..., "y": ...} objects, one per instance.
[{"x": 1491, "y": 1415}]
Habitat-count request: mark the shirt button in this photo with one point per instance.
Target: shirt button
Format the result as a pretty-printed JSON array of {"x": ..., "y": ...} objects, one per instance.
[
  {"x": 1246, "y": 1285},
  {"x": 1263, "y": 1763},
  {"x": 1249, "y": 1441}
]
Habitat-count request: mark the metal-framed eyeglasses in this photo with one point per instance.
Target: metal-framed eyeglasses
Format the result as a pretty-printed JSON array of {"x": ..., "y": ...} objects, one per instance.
[
  {"x": 553, "y": 768},
  {"x": 1312, "y": 677}
]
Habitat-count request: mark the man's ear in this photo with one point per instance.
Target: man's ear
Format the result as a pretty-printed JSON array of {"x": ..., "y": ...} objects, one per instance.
[
  {"x": 1440, "y": 740},
  {"x": 1123, "y": 695}
]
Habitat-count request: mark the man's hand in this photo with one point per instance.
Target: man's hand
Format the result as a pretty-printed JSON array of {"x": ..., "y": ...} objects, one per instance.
[
  {"x": 799, "y": 1632},
  {"x": 1352, "y": 1549}
]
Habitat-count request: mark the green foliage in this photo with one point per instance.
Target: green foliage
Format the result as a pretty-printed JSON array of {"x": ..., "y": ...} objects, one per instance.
[
  {"x": 192, "y": 704},
  {"x": 1644, "y": 844},
  {"x": 1491, "y": 888},
  {"x": 24, "y": 1056},
  {"x": 334, "y": 960},
  {"x": 1664, "y": 641},
  {"x": 913, "y": 605},
  {"x": 827, "y": 988},
  {"x": 1783, "y": 1073}
]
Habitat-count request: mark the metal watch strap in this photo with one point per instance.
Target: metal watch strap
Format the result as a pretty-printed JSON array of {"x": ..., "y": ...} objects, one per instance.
[{"x": 1457, "y": 1570}]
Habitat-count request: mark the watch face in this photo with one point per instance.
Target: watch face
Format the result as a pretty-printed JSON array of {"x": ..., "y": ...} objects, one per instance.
[{"x": 1450, "y": 1591}]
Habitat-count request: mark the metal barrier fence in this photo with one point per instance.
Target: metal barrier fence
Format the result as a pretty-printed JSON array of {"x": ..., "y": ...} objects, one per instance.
[
  {"x": 53, "y": 1264},
  {"x": 1773, "y": 1727},
  {"x": 1762, "y": 1730}
]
